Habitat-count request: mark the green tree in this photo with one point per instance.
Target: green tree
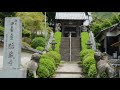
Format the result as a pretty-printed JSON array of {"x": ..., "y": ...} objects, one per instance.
[
  {"x": 33, "y": 21},
  {"x": 5, "y": 14}
]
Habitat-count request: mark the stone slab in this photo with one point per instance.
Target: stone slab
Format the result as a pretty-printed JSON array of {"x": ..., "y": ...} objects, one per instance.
[{"x": 13, "y": 73}]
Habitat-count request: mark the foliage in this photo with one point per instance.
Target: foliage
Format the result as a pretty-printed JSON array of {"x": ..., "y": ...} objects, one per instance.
[
  {"x": 27, "y": 40},
  {"x": 51, "y": 17},
  {"x": 57, "y": 36},
  {"x": 40, "y": 48},
  {"x": 87, "y": 62},
  {"x": 5, "y": 14},
  {"x": 25, "y": 44},
  {"x": 38, "y": 41},
  {"x": 115, "y": 18},
  {"x": 84, "y": 39},
  {"x": 1, "y": 30},
  {"x": 26, "y": 33},
  {"x": 43, "y": 72},
  {"x": 92, "y": 71},
  {"x": 56, "y": 56},
  {"x": 100, "y": 23},
  {"x": 88, "y": 55},
  {"x": 33, "y": 21},
  {"x": 47, "y": 57},
  {"x": 98, "y": 45},
  {"x": 49, "y": 65},
  {"x": 85, "y": 52},
  {"x": 50, "y": 49}
]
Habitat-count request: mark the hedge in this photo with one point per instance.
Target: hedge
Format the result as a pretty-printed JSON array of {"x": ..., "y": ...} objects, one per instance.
[
  {"x": 47, "y": 57},
  {"x": 43, "y": 72},
  {"x": 85, "y": 52},
  {"x": 40, "y": 48},
  {"x": 57, "y": 37},
  {"x": 92, "y": 71},
  {"x": 87, "y": 62},
  {"x": 84, "y": 39},
  {"x": 49, "y": 62},
  {"x": 56, "y": 56},
  {"x": 49, "y": 65}
]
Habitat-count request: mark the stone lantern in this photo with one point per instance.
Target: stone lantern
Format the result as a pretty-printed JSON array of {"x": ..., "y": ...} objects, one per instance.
[
  {"x": 53, "y": 44},
  {"x": 89, "y": 44}
]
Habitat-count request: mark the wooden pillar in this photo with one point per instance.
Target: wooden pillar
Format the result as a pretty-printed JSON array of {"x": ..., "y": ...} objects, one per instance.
[
  {"x": 63, "y": 27},
  {"x": 77, "y": 29}
]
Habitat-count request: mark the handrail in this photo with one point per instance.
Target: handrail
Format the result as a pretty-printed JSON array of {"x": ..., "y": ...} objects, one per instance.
[{"x": 70, "y": 46}]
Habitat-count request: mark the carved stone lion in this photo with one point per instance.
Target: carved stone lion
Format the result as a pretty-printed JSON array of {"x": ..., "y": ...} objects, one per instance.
[
  {"x": 33, "y": 64},
  {"x": 102, "y": 65}
]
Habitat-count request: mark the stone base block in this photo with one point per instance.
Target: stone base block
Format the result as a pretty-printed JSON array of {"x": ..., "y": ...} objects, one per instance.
[{"x": 13, "y": 73}]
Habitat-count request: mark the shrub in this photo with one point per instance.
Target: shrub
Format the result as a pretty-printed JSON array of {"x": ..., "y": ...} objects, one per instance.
[
  {"x": 57, "y": 36},
  {"x": 43, "y": 72},
  {"x": 26, "y": 33},
  {"x": 87, "y": 62},
  {"x": 85, "y": 52},
  {"x": 27, "y": 40},
  {"x": 50, "y": 49},
  {"x": 88, "y": 55},
  {"x": 84, "y": 39},
  {"x": 92, "y": 71},
  {"x": 26, "y": 44},
  {"x": 39, "y": 41},
  {"x": 47, "y": 57},
  {"x": 49, "y": 65},
  {"x": 56, "y": 56},
  {"x": 40, "y": 48}
]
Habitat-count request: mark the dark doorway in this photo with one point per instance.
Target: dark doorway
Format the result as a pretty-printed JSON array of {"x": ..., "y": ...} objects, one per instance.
[
  {"x": 73, "y": 31},
  {"x": 111, "y": 40}
]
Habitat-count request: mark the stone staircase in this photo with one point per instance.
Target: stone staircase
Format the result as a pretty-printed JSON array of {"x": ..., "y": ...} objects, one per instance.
[
  {"x": 69, "y": 70},
  {"x": 65, "y": 48}
]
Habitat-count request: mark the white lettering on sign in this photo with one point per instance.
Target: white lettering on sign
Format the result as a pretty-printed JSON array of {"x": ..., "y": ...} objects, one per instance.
[{"x": 12, "y": 42}]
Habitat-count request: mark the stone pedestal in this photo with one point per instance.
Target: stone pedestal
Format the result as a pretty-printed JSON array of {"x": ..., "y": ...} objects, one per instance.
[
  {"x": 13, "y": 73},
  {"x": 12, "y": 49}
]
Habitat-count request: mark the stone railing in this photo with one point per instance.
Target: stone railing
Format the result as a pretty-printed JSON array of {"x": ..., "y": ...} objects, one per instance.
[
  {"x": 92, "y": 39},
  {"x": 49, "y": 41}
]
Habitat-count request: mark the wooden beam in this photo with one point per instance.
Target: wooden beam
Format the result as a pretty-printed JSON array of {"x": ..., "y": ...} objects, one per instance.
[{"x": 117, "y": 44}]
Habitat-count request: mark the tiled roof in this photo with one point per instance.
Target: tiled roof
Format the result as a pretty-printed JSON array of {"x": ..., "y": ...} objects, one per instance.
[{"x": 71, "y": 15}]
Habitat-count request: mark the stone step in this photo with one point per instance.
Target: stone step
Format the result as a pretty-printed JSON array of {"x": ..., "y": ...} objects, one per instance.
[
  {"x": 68, "y": 76},
  {"x": 65, "y": 48},
  {"x": 68, "y": 72}
]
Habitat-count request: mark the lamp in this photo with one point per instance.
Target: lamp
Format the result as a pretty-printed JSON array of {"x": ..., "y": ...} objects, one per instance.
[
  {"x": 89, "y": 44},
  {"x": 53, "y": 44}
]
